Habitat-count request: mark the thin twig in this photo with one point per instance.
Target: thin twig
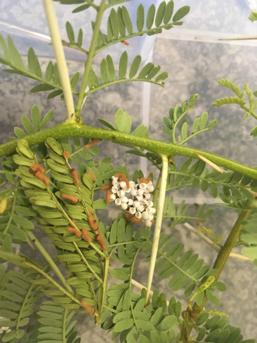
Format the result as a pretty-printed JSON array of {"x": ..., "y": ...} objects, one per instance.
[
  {"x": 51, "y": 280},
  {"x": 213, "y": 244},
  {"x": 49, "y": 260},
  {"x": 211, "y": 164},
  {"x": 105, "y": 283},
  {"x": 11, "y": 215},
  {"x": 140, "y": 286},
  {"x": 86, "y": 262},
  {"x": 158, "y": 225}
]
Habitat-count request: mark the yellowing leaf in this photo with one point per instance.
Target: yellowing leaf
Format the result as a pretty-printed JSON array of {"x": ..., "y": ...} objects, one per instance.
[{"x": 3, "y": 205}]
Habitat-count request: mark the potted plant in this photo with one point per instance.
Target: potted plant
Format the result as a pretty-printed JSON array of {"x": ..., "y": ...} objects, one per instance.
[{"x": 75, "y": 226}]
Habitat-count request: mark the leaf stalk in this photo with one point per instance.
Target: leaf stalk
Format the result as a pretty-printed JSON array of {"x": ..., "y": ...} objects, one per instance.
[
  {"x": 60, "y": 58},
  {"x": 90, "y": 58}
]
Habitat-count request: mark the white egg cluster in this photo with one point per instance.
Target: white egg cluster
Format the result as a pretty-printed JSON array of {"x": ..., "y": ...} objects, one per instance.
[{"x": 134, "y": 198}]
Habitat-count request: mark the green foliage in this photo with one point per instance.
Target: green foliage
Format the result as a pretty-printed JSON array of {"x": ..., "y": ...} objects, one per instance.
[
  {"x": 177, "y": 126},
  {"x": 74, "y": 42},
  {"x": 59, "y": 188},
  {"x": 16, "y": 222},
  {"x": 57, "y": 324},
  {"x": 18, "y": 297},
  {"x": 140, "y": 323},
  {"x": 248, "y": 238},
  {"x": 216, "y": 329},
  {"x": 119, "y": 235},
  {"x": 182, "y": 213},
  {"x": 120, "y": 26},
  {"x": 83, "y": 4},
  {"x": 57, "y": 210},
  {"x": 33, "y": 123},
  {"x": 232, "y": 188},
  {"x": 150, "y": 22},
  {"x": 123, "y": 123},
  {"x": 244, "y": 97},
  {"x": 129, "y": 317},
  {"x": 109, "y": 76},
  {"x": 183, "y": 270},
  {"x": 253, "y": 16},
  {"x": 47, "y": 80}
]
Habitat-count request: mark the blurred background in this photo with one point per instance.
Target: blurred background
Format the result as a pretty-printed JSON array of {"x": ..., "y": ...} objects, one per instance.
[{"x": 196, "y": 55}]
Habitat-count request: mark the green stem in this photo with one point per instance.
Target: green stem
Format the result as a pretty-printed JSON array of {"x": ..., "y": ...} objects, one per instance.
[
  {"x": 105, "y": 283},
  {"x": 121, "y": 243},
  {"x": 193, "y": 310},
  {"x": 194, "y": 135},
  {"x": 24, "y": 304},
  {"x": 176, "y": 266},
  {"x": 246, "y": 109},
  {"x": 115, "y": 82},
  {"x": 174, "y": 139},
  {"x": 86, "y": 262},
  {"x": 110, "y": 309},
  {"x": 90, "y": 58},
  {"x": 11, "y": 215},
  {"x": 132, "y": 268},
  {"x": 49, "y": 260},
  {"x": 158, "y": 147},
  {"x": 64, "y": 333},
  {"x": 130, "y": 284},
  {"x": 230, "y": 243},
  {"x": 158, "y": 225},
  {"x": 51, "y": 280},
  {"x": 60, "y": 57}
]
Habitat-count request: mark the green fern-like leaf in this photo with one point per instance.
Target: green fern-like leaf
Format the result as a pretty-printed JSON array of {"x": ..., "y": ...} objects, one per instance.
[
  {"x": 181, "y": 213},
  {"x": 47, "y": 80},
  {"x": 228, "y": 101},
  {"x": 82, "y": 4},
  {"x": 64, "y": 207},
  {"x": 151, "y": 22},
  {"x": 57, "y": 324},
  {"x": 216, "y": 329},
  {"x": 140, "y": 323},
  {"x": 244, "y": 97},
  {"x": 248, "y": 238},
  {"x": 232, "y": 188},
  {"x": 33, "y": 123},
  {"x": 231, "y": 86},
  {"x": 253, "y": 16},
  {"x": 17, "y": 304},
  {"x": 123, "y": 123},
  {"x": 178, "y": 127},
  {"x": 17, "y": 221},
  {"x": 74, "y": 41},
  {"x": 183, "y": 270},
  {"x": 109, "y": 76}
]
